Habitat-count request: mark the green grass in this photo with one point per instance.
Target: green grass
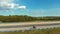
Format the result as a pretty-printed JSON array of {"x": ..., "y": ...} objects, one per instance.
[{"x": 42, "y": 31}]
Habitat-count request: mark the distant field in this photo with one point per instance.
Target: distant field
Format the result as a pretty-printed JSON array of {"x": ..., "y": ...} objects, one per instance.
[{"x": 42, "y": 31}]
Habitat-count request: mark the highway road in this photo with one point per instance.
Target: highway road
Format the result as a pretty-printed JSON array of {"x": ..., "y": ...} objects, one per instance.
[{"x": 28, "y": 25}]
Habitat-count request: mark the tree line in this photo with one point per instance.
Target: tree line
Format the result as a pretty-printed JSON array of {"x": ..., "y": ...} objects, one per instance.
[{"x": 24, "y": 18}]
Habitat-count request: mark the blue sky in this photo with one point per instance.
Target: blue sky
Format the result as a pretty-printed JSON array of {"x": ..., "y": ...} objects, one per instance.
[{"x": 32, "y": 8}]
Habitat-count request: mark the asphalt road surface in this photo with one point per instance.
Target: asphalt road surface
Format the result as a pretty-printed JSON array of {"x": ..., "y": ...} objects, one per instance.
[{"x": 28, "y": 25}]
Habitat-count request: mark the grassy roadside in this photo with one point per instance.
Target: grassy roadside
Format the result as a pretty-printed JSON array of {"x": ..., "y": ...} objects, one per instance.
[{"x": 42, "y": 31}]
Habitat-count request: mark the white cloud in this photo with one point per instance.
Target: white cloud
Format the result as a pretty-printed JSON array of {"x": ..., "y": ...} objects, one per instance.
[
  {"x": 12, "y": 5},
  {"x": 9, "y": 5},
  {"x": 22, "y": 7},
  {"x": 4, "y": 4}
]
